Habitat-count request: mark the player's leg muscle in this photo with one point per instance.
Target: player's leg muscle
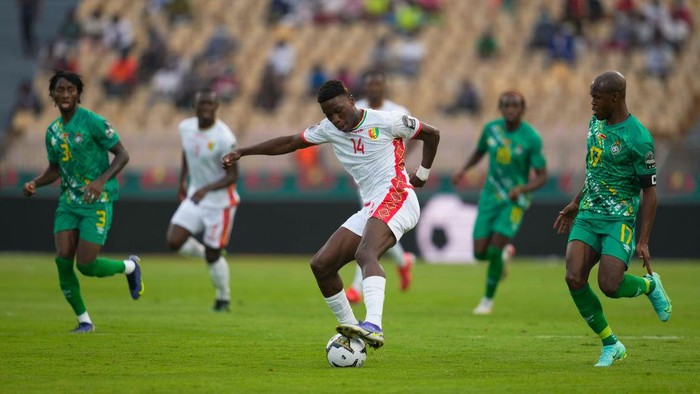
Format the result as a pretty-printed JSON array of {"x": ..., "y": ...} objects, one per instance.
[
  {"x": 610, "y": 273},
  {"x": 337, "y": 251},
  {"x": 580, "y": 259},
  {"x": 66, "y": 243},
  {"x": 176, "y": 236}
]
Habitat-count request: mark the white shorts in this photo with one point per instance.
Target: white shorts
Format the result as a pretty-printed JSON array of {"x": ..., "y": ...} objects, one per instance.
[
  {"x": 215, "y": 222},
  {"x": 400, "y": 211}
]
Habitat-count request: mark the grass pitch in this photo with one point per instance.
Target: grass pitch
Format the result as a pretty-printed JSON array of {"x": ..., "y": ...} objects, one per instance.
[{"x": 273, "y": 340}]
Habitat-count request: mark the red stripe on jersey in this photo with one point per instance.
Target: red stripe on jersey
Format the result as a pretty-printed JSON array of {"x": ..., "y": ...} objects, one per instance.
[
  {"x": 420, "y": 128},
  {"x": 304, "y": 138},
  {"x": 226, "y": 230},
  {"x": 232, "y": 201},
  {"x": 397, "y": 195}
]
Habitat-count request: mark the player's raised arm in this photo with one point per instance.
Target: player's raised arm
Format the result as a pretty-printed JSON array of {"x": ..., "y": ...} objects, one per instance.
[
  {"x": 49, "y": 176},
  {"x": 272, "y": 147},
  {"x": 430, "y": 135}
]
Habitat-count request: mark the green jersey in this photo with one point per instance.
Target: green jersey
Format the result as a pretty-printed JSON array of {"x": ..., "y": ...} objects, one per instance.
[
  {"x": 512, "y": 154},
  {"x": 619, "y": 162},
  {"x": 80, "y": 149}
]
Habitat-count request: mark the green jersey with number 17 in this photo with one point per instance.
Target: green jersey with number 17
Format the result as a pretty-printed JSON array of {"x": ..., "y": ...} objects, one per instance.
[
  {"x": 620, "y": 161},
  {"x": 80, "y": 148}
]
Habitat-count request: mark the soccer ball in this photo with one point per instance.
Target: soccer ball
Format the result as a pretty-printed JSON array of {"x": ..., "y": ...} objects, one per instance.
[{"x": 342, "y": 351}]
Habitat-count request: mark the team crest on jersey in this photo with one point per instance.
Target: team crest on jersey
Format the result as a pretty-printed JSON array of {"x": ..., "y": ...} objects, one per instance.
[
  {"x": 409, "y": 122},
  {"x": 78, "y": 138},
  {"x": 615, "y": 148},
  {"x": 210, "y": 145},
  {"x": 649, "y": 160},
  {"x": 109, "y": 131},
  {"x": 373, "y": 133}
]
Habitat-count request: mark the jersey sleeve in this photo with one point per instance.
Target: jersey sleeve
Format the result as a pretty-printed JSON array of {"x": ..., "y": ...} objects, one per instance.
[
  {"x": 537, "y": 159},
  {"x": 483, "y": 145},
  {"x": 316, "y": 134},
  {"x": 51, "y": 154},
  {"x": 103, "y": 132},
  {"x": 644, "y": 160},
  {"x": 404, "y": 126}
]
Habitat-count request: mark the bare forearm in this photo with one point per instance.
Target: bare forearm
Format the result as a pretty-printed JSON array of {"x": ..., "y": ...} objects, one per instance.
[
  {"x": 49, "y": 176},
  {"x": 536, "y": 183},
  {"x": 430, "y": 146},
  {"x": 273, "y": 147},
  {"x": 648, "y": 212},
  {"x": 118, "y": 163}
]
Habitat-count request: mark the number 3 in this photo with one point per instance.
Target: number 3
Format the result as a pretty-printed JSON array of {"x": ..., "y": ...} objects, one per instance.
[{"x": 101, "y": 218}]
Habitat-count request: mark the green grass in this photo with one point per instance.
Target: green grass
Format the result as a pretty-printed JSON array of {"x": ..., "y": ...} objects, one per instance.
[{"x": 273, "y": 339}]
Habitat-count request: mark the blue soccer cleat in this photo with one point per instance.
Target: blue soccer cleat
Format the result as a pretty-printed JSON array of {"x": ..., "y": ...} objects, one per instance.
[
  {"x": 83, "y": 328},
  {"x": 611, "y": 353},
  {"x": 136, "y": 286},
  {"x": 659, "y": 299},
  {"x": 370, "y": 333}
]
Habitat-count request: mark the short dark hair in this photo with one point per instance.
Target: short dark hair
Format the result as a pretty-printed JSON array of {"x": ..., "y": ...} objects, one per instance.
[
  {"x": 331, "y": 89},
  {"x": 511, "y": 93},
  {"x": 71, "y": 77}
]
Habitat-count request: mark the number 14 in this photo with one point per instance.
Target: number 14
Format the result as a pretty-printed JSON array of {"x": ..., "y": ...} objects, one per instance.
[{"x": 358, "y": 146}]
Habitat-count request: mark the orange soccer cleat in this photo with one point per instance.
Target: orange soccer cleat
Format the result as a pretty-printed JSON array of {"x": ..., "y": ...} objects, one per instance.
[
  {"x": 405, "y": 270},
  {"x": 354, "y": 296}
]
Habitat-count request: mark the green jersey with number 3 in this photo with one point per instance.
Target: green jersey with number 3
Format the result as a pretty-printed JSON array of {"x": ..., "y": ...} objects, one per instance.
[
  {"x": 81, "y": 150},
  {"x": 620, "y": 161},
  {"x": 512, "y": 154}
]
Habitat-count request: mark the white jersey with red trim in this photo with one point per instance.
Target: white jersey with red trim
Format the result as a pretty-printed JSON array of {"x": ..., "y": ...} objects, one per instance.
[
  {"x": 204, "y": 150},
  {"x": 373, "y": 152},
  {"x": 387, "y": 105}
]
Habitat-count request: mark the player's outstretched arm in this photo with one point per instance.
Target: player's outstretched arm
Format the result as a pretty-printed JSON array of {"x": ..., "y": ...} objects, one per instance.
[
  {"x": 49, "y": 176},
  {"x": 272, "y": 147},
  {"x": 471, "y": 162},
  {"x": 648, "y": 211},
  {"x": 430, "y": 135}
]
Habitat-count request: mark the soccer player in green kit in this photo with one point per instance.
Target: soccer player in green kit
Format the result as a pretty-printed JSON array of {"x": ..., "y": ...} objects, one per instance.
[
  {"x": 602, "y": 217},
  {"x": 514, "y": 148},
  {"x": 77, "y": 145}
]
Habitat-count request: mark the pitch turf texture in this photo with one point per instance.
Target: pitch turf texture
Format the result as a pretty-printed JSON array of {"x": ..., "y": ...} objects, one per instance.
[{"x": 273, "y": 339}]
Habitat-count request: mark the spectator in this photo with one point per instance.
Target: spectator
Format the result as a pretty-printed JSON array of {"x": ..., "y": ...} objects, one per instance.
[
  {"x": 467, "y": 99},
  {"x": 154, "y": 56},
  {"x": 380, "y": 57},
  {"x": 178, "y": 11},
  {"x": 563, "y": 45},
  {"x": 347, "y": 78},
  {"x": 94, "y": 27},
  {"x": 28, "y": 15},
  {"x": 681, "y": 12},
  {"x": 409, "y": 53},
  {"x": 166, "y": 81},
  {"x": 121, "y": 77},
  {"x": 596, "y": 12},
  {"x": 623, "y": 31},
  {"x": 119, "y": 34},
  {"x": 277, "y": 10},
  {"x": 543, "y": 31},
  {"x": 27, "y": 107},
  {"x": 220, "y": 44},
  {"x": 269, "y": 91},
  {"x": 408, "y": 17},
  {"x": 226, "y": 85},
  {"x": 70, "y": 30},
  {"x": 659, "y": 57},
  {"x": 317, "y": 77},
  {"x": 193, "y": 81},
  {"x": 487, "y": 45},
  {"x": 281, "y": 58}
]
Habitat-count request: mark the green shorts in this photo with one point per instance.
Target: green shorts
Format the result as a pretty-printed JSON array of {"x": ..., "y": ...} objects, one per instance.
[
  {"x": 91, "y": 220},
  {"x": 504, "y": 219},
  {"x": 612, "y": 237}
]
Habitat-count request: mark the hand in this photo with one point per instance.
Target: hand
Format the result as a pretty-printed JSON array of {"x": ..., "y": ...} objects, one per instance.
[
  {"x": 93, "y": 191},
  {"x": 230, "y": 158},
  {"x": 457, "y": 177},
  {"x": 515, "y": 192},
  {"x": 565, "y": 219},
  {"x": 415, "y": 181},
  {"x": 29, "y": 189},
  {"x": 199, "y": 195},
  {"x": 643, "y": 253}
]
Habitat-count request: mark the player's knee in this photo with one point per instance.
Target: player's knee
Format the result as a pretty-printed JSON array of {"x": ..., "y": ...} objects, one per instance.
[
  {"x": 363, "y": 256},
  {"x": 89, "y": 269},
  {"x": 173, "y": 244},
  {"x": 575, "y": 281},
  {"x": 481, "y": 255},
  {"x": 609, "y": 288},
  {"x": 320, "y": 266}
]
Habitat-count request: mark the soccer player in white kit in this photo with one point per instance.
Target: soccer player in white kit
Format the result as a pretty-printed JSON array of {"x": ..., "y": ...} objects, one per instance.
[
  {"x": 208, "y": 204},
  {"x": 370, "y": 146},
  {"x": 375, "y": 90}
]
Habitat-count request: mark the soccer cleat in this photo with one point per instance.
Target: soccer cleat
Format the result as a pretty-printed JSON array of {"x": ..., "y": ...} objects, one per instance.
[
  {"x": 659, "y": 299},
  {"x": 221, "y": 306},
  {"x": 485, "y": 307},
  {"x": 354, "y": 296},
  {"x": 370, "y": 333},
  {"x": 405, "y": 270},
  {"x": 610, "y": 354},
  {"x": 134, "y": 279},
  {"x": 83, "y": 328}
]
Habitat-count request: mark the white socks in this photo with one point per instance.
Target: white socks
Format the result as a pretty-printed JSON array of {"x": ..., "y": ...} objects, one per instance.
[
  {"x": 396, "y": 253},
  {"x": 357, "y": 280},
  {"x": 192, "y": 248},
  {"x": 373, "y": 289},
  {"x": 220, "y": 277},
  {"x": 129, "y": 267},
  {"x": 341, "y": 308},
  {"x": 84, "y": 318}
]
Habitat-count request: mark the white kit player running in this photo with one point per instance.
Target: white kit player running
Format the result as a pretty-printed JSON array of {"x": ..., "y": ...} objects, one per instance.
[
  {"x": 375, "y": 91},
  {"x": 370, "y": 146},
  {"x": 209, "y": 203}
]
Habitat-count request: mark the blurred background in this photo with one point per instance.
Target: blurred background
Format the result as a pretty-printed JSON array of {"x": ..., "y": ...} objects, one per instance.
[{"x": 446, "y": 60}]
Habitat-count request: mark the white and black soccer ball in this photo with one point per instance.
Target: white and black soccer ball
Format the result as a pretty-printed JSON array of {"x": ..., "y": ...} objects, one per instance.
[{"x": 342, "y": 351}]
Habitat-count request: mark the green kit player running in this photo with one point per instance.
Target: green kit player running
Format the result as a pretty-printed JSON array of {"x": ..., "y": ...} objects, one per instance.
[
  {"x": 514, "y": 148},
  {"x": 602, "y": 217},
  {"x": 77, "y": 144}
]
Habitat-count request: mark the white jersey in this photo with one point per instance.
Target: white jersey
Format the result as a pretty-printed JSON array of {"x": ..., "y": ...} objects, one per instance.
[
  {"x": 204, "y": 150},
  {"x": 373, "y": 152},
  {"x": 387, "y": 105}
]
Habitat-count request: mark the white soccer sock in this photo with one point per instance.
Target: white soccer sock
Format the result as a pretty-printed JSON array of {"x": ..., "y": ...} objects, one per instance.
[
  {"x": 129, "y": 267},
  {"x": 357, "y": 280},
  {"x": 396, "y": 253},
  {"x": 84, "y": 318},
  {"x": 340, "y": 306},
  {"x": 373, "y": 289},
  {"x": 192, "y": 248},
  {"x": 220, "y": 277}
]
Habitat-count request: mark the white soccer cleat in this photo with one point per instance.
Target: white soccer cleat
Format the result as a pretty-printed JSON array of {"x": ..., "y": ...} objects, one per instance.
[{"x": 485, "y": 307}]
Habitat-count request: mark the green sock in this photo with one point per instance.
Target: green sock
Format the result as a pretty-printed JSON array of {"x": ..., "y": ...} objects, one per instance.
[
  {"x": 102, "y": 267},
  {"x": 493, "y": 275},
  {"x": 632, "y": 286},
  {"x": 591, "y": 310},
  {"x": 70, "y": 286}
]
